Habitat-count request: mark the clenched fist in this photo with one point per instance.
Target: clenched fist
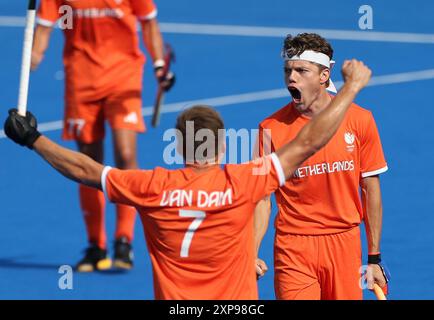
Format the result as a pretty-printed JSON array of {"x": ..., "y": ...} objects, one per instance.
[{"x": 356, "y": 74}]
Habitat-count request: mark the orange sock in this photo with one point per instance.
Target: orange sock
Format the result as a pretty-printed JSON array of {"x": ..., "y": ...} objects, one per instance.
[
  {"x": 126, "y": 217},
  {"x": 93, "y": 205}
]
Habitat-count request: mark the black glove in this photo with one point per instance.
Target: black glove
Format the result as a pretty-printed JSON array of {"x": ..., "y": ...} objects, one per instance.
[
  {"x": 166, "y": 80},
  {"x": 22, "y": 130}
]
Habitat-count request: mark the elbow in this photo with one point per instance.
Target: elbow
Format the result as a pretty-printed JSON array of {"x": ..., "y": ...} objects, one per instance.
[
  {"x": 316, "y": 143},
  {"x": 80, "y": 175},
  {"x": 311, "y": 141},
  {"x": 82, "y": 172},
  {"x": 91, "y": 175},
  {"x": 311, "y": 146}
]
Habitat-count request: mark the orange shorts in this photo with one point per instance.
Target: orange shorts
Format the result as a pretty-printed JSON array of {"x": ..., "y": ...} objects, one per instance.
[
  {"x": 325, "y": 267},
  {"x": 84, "y": 120}
]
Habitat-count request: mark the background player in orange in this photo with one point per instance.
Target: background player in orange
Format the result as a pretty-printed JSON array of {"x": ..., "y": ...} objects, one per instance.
[
  {"x": 317, "y": 249},
  {"x": 104, "y": 69},
  {"x": 198, "y": 221}
]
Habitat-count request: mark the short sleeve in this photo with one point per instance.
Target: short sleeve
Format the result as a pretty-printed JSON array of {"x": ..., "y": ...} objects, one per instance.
[
  {"x": 144, "y": 9},
  {"x": 372, "y": 161},
  {"x": 264, "y": 143},
  {"x": 138, "y": 188},
  {"x": 258, "y": 178},
  {"x": 48, "y": 12}
]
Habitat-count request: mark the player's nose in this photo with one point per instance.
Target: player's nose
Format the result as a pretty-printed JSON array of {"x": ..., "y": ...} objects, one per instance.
[{"x": 292, "y": 76}]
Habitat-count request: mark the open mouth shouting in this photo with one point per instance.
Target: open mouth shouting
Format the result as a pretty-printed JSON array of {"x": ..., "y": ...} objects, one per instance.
[{"x": 295, "y": 93}]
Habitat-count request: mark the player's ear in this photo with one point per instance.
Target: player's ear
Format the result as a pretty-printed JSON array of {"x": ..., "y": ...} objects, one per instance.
[{"x": 324, "y": 75}]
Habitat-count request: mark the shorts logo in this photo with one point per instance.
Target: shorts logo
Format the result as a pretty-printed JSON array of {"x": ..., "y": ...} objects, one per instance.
[
  {"x": 131, "y": 118},
  {"x": 349, "y": 139}
]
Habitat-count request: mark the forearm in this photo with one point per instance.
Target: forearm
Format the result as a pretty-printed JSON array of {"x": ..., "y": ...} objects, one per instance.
[
  {"x": 152, "y": 39},
  {"x": 320, "y": 130},
  {"x": 41, "y": 39},
  {"x": 373, "y": 212},
  {"x": 40, "y": 45},
  {"x": 317, "y": 132},
  {"x": 73, "y": 165},
  {"x": 261, "y": 219}
]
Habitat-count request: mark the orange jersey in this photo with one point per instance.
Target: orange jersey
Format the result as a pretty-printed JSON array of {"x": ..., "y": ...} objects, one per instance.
[
  {"x": 323, "y": 195},
  {"x": 198, "y": 226},
  {"x": 101, "y": 41}
]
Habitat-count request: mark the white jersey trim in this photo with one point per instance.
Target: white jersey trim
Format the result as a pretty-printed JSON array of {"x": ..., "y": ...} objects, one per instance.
[
  {"x": 279, "y": 169},
  {"x": 104, "y": 173},
  {"x": 44, "y": 22},
  {"x": 373, "y": 173},
  {"x": 149, "y": 16}
]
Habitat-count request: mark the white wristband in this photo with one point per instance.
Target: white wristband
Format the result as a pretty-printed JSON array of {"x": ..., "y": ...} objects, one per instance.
[{"x": 159, "y": 63}]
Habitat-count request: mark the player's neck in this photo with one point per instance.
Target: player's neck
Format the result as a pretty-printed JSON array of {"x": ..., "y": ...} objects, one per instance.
[
  {"x": 318, "y": 105},
  {"x": 197, "y": 167}
]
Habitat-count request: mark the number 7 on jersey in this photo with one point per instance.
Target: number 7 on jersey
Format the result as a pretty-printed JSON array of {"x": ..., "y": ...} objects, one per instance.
[{"x": 199, "y": 216}]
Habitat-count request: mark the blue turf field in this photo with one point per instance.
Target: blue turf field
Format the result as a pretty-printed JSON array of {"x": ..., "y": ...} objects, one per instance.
[{"x": 41, "y": 224}]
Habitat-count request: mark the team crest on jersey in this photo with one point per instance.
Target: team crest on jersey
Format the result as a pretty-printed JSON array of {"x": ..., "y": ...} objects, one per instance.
[{"x": 349, "y": 139}]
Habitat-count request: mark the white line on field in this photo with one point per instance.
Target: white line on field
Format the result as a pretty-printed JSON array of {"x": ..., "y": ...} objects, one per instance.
[{"x": 258, "y": 31}]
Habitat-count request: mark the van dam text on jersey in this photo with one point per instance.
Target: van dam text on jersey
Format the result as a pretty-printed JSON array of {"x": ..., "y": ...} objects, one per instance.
[{"x": 199, "y": 198}]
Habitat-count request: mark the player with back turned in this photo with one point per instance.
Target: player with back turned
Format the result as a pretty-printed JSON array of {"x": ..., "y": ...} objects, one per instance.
[
  {"x": 103, "y": 82},
  {"x": 198, "y": 221}
]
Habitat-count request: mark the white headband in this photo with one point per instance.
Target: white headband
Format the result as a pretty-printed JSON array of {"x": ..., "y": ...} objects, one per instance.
[{"x": 316, "y": 57}]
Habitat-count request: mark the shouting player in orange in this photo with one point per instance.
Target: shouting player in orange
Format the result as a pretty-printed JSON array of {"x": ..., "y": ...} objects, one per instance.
[
  {"x": 104, "y": 69},
  {"x": 317, "y": 249},
  {"x": 198, "y": 221}
]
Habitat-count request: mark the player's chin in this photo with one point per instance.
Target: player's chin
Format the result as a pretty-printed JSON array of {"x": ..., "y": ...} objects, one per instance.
[{"x": 301, "y": 106}]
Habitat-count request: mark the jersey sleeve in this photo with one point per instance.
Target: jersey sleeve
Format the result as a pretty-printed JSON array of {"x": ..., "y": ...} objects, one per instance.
[
  {"x": 258, "y": 178},
  {"x": 264, "y": 144},
  {"x": 144, "y": 9},
  {"x": 372, "y": 161},
  {"x": 48, "y": 12},
  {"x": 137, "y": 188}
]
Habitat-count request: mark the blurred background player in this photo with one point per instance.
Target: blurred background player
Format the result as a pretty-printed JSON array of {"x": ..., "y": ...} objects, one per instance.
[
  {"x": 317, "y": 249},
  {"x": 198, "y": 221},
  {"x": 104, "y": 71}
]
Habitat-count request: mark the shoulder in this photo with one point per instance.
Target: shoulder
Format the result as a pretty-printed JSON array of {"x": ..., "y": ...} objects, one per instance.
[
  {"x": 359, "y": 113},
  {"x": 236, "y": 171},
  {"x": 244, "y": 170},
  {"x": 361, "y": 120},
  {"x": 277, "y": 117},
  {"x": 143, "y": 174}
]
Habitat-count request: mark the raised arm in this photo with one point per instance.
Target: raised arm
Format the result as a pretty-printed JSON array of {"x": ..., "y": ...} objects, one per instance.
[
  {"x": 321, "y": 128},
  {"x": 73, "y": 165}
]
